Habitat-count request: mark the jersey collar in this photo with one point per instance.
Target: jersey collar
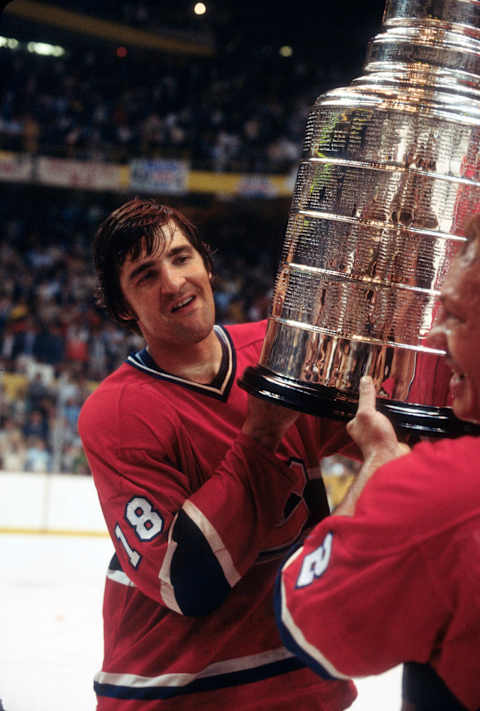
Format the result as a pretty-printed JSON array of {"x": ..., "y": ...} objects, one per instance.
[{"x": 219, "y": 387}]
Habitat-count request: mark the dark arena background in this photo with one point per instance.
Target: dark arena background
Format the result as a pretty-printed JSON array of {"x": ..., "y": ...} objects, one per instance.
[{"x": 203, "y": 106}]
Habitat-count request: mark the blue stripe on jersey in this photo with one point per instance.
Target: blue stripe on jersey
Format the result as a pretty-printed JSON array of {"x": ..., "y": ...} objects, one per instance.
[
  {"x": 115, "y": 563},
  {"x": 220, "y": 386},
  {"x": 288, "y": 641},
  {"x": 218, "y": 681},
  {"x": 197, "y": 578},
  {"x": 423, "y": 688}
]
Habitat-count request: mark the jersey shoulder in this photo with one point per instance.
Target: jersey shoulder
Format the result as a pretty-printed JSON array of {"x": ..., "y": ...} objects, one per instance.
[
  {"x": 444, "y": 468},
  {"x": 432, "y": 488},
  {"x": 128, "y": 406},
  {"x": 244, "y": 335}
]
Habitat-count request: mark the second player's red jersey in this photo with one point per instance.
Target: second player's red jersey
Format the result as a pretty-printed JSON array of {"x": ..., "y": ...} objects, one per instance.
[{"x": 398, "y": 581}]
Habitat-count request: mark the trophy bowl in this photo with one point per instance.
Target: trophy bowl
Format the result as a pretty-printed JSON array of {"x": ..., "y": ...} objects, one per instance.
[{"x": 388, "y": 180}]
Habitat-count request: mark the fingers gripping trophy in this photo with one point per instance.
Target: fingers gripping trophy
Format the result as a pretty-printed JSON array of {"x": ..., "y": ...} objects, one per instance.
[{"x": 389, "y": 179}]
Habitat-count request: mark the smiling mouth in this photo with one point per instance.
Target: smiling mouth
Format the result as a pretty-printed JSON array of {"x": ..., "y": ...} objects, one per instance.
[{"x": 182, "y": 304}]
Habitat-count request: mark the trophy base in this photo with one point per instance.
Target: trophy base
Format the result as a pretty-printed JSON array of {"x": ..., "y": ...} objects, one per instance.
[{"x": 319, "y": 400}]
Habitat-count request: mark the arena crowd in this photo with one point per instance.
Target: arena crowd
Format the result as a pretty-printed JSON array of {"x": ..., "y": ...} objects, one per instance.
[
  {"x": 92, "y": 105},
  {"x": 238, "y": 111},
  {"x": 56, "y": 344}
]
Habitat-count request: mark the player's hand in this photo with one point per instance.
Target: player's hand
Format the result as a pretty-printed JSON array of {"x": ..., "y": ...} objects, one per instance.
[
  {"x": 268, "y": 422},
  {"x": 371, "y": 430}
]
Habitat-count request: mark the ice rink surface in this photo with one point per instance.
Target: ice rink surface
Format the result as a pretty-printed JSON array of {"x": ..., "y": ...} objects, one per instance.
[{"x": 51, "y": 631}]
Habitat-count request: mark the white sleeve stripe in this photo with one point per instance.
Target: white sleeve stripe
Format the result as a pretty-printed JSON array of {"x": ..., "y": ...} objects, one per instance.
[
  {"x": 166, "y": 588},
  {"x": 215, "y": 542},
  {"x": 297, "y": 634},
  {"x": 118, "y": 576},
  {"x": 180, "y": 679},
  {"x": 138, "y": 682},
  {"x": 250, "y": 662}
]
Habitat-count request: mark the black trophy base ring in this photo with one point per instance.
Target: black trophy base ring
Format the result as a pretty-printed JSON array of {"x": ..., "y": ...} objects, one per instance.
[{"x": 328, "y": 402}]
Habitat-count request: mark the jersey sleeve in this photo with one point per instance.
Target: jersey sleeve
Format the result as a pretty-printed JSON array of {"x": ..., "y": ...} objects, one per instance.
[
  {"x": 184, "y": 539},
  {"x": 360, "y": 596}
]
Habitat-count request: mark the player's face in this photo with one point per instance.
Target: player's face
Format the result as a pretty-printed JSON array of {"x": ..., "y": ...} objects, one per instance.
[
  {"x": 457, "y": 331},
  {"x": 169, "y": 293}
]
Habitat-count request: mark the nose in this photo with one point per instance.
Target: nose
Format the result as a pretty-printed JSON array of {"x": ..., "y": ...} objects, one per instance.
[{"x": 172, "y": 279}]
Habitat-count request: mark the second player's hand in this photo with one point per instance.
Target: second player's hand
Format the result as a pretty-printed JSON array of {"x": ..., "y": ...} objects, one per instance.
[
  {"x": 372, "y": 431},
  {"x": 374, "y": 435}
]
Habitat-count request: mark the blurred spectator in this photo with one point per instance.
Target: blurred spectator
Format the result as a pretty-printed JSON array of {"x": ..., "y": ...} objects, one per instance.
[
  {"x": 10, "y": 433},
  {"x": 37, "y": 395},
  {"x": 49, "y": 345},
  {"x": 13, "y": 450},
  {"x": 37, "y": 457},
  {"x": 36, "y": 425},
  {"x": 68, "y": 387},
  {"x": 71, "y": 411},
  {"x": 14, "y": 457},
  {"x": 76, "y": 342},
  {"x": 74, "y": 459}
]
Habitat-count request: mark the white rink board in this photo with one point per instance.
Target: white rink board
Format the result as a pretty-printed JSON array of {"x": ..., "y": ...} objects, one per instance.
[
  {"x": 50, "y": 620},
  {"x": 49, "y": 502}
]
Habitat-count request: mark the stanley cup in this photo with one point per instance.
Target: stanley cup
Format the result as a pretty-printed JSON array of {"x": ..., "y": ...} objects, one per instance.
[{"x": 389, "y": 179}]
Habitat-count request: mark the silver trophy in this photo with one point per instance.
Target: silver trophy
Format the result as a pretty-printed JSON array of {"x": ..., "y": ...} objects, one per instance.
[{"x": 389, "y": 178}]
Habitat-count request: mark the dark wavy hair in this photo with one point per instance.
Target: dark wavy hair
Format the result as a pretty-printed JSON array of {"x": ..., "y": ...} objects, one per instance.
[{"x": 135, "y": 226}]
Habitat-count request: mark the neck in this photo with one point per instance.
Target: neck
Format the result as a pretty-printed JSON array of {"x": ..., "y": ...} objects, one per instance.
[{"x": 198, "y": 362}]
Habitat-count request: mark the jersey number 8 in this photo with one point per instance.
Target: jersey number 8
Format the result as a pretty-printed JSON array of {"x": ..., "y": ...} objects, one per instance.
[{"x": 146, "y": 522}]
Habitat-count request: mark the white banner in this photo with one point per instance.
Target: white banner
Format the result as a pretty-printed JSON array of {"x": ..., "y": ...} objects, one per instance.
[
  {"x": 159, "y": 176},
  {"x": 79, "y": 174}
]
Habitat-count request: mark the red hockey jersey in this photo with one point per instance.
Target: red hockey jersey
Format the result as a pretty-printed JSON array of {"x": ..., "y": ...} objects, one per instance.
[
  {"x": 398, "y": 581},
  {"x": 200, "y": 516}
]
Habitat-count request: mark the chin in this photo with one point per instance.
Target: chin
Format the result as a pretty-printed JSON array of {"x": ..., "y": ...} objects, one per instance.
[{"x": 199, "y": 332}]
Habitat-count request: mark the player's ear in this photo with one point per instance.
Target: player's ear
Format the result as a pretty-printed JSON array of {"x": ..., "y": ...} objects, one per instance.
[{"x": 127, "y": 313}]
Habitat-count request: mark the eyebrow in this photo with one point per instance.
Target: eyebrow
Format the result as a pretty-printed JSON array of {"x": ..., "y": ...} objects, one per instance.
[
  {"x": 141, "y": 268},
  {"x": 151, "y": 262},
  {"x": 181, "y": 248}
]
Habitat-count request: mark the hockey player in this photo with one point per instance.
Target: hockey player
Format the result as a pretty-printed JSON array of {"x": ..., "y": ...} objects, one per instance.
[
  {"x": 201, "y": 500},
  {"x": 394, "y": 576}
]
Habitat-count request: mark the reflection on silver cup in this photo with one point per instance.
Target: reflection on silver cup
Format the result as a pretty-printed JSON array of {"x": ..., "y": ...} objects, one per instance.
[{"x": 389, "y": 179}]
